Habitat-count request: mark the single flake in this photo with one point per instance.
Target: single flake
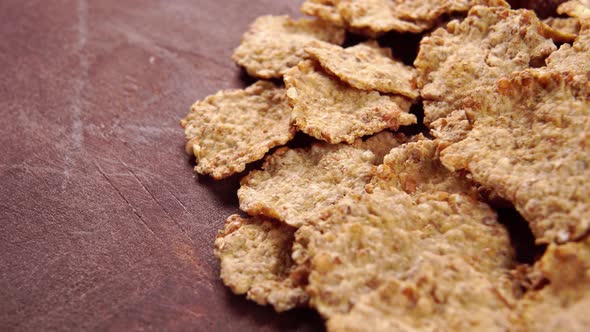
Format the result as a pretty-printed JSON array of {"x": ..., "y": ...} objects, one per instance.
[
  {"x": 227, "y": 130},
  {"x": 367, "y": 66},
  {"x": 255, "y": 260},
  {"x": 273, "y": 44},
  {"x": 330, "y": 110}
]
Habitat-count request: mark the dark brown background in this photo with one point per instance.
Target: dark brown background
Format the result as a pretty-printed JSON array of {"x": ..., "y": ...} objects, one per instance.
[{"x": 104, "y": 225}]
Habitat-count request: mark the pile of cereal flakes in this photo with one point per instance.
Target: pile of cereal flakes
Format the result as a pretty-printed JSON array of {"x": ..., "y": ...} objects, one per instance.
[{"x": 379, "y": 230}]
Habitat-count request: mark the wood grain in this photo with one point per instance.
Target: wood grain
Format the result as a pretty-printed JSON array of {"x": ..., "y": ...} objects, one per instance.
[{"x": 103, "y": 224}]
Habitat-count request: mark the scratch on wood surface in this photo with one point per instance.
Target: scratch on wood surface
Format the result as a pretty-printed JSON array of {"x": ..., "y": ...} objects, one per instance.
[
  {"x": 156, "y": 200},
  {"x": 127, "y": 201},
  {"x": 193, "y": 313},
  {"x": 76, "y": 104},
  {"x": 77, "y": 126},
  {"x": 178, "y": 200},
  {"x": 77, "y": 134}
]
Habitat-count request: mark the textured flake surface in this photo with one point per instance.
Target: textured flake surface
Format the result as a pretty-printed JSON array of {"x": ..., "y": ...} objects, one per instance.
[
  {"x": 532, "y": 148},
  {"x": 375, "y": 17},
  {"x": 326, "y": 10},
  {"x": 366, "y": 66},
  {"x": 371, "y": 246},
  {"x": 255, "y": 260},
  {"x": 579, "y": 9},
  {"x": 562, "y": 29},
  {"x": 295, "y": 185},
  {"x": 273, "y": 44},
  {"x": 382, "y": 143},
  {"x": 234, "y": 127},
  {"x": 458, "y": 66},
  {"x": 330, "y": 110},
  {"x": 575, "y": 58},
  {"x": 440, "y": 293},
  {"x": 562, "y": 305}
]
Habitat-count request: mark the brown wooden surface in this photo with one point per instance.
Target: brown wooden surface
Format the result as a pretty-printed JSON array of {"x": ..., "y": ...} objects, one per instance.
[{"x": 104, "y": 225}]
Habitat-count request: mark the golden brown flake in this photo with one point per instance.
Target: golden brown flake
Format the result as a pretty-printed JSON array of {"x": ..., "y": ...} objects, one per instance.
[
  {"x": 375, "y": 17},
  {"x": 389, "y": 234},
  {"x": 562, "y": 29},
  {"x": 562, "y": 304},
  {"x": 382, "y": 143},
  {"x": 415, "y": 169},
  {"x": 255, "y": 260},
  {"x": 579, "y": 9},
  {"x": 330, "y": 110},
  {"x": 234, "y": 127},
  {"x": 273, "y": 44},
  {"x": 532, "y": 149},
  {"x": 366, "y": 66},
  {"x": 326, "y": 10},
  {"x": 295, "y": 185},
  {"x": 566, "y": 29},
  {"x": 431, "y": 10},
  {"x": 574, "y": 58},
  {"x": 368, "y": 17},
  {"x": 458, "y": 66},
  {"x": 440, "y": 293}
]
